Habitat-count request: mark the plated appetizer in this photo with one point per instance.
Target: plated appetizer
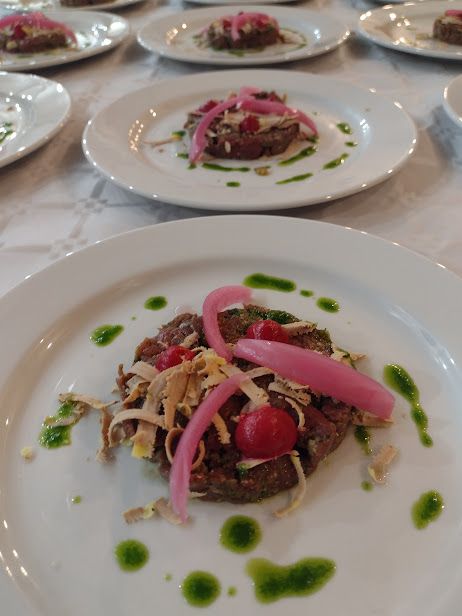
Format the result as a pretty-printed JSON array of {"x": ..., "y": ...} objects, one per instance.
[
  {"x": 242, "y": 31},
  {"x": 448, "y": 27},
  {"x": 235, "y": 405},
  {"x": 34, "y": 33},
  {"x": 246, "y": 126}
]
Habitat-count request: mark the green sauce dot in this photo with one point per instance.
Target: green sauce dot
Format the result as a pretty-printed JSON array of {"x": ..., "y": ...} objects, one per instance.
[
  {"x": 232, "y": 591},
  {"x": 105, "y": 334},
  {"x": 273, "y": 582},
  {"x": 336, "y": 162},
  {"x": 168, "y": 577},
  {"x": 131, "y": 555},
  {"x": 364, "y": 439},
  {"x": 367, "y": 486},
  {"x": 328, "y": 304},
  {"x": 240, "y": 534},
  {"x": 344, "y": 128},
  {"x": 155, "y": 303},
  {"x": 263, "y": 281},
  {"x": 76, "y": 500},
  {"x": 306, "y": 293},
  {"x": 53, "y": 437},
  {"x": 427, "y": 509},
  {"x": 200, "y": 588},
  {"x": 233, "y": 184}
]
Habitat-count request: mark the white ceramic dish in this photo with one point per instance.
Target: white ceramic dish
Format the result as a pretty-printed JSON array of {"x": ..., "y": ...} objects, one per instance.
[
  {"x": 32, "y": 111},
  {"x": 41, "y": 5},
  {"x": 452, "y": 100},
  {"x": 234, "y": 2},
  {"x": 114, "y": 142},
  {"x": 408, "y": 27},
  {"x": 48, "y": 544},
  {"x": 95, "y": 32},
  {"x": 310, "y": 34}
]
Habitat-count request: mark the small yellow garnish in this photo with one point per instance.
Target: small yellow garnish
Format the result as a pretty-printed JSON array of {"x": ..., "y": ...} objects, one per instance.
[{"x": 28, "y": 453}]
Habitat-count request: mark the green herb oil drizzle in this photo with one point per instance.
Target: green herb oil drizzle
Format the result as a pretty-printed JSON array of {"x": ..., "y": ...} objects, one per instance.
[
  {"x": 363, "y": 437},
  {"x": 214, "y": 167},
  {"x": 240, "y": 534},
  {"x": 105, "y": 334},
  {"x": 131, "y": 555},
  {"x": 53, "y": 437},
  {"x": 200, "y": 588},
  {"x": 344, "y": 128},
  {"x": 400, "y": 381},
  {"x": 263, "y": 281},
  {"x": 309, "y": 151},
  {"x": 328, "y": 304},
  {"x": 155, "y": 303},
  {"x": 427, "y": 509},
  {"x": 273, "y": 582},
  {"x": 336, "y": 162},
  {"x": 295, "y": 178}
]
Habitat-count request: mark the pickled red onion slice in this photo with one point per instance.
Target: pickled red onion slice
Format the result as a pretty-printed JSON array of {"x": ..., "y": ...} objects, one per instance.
[
  {"x": 198, "y": 141},
  {"x": 214, "y": 302},
  {"x": 320, "y": 372},
  {"x": 36, "y": 20},
  {"x": 180, "y": 472},
  {"x": 264, "y": 106},
  {"x": 239, "y": 20},
  {"x": 453, "y": 13},
  {"x": 248, "y": 91}
]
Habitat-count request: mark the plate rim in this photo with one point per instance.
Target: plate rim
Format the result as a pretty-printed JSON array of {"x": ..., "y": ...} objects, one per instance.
[
  {"x": 418, "y": 51},
  {"x": 344, "y": 32},
  {"x": 456, "y": 118},
  {"x": 82, "y": 54},
  {"x": 235, "y": 206},
  {"x": 59, "y": 125}
]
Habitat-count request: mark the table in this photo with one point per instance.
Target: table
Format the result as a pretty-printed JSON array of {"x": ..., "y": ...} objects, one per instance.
[{"x": 53, "y": 202}]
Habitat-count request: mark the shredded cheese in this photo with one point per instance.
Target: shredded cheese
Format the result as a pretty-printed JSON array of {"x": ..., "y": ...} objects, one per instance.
[{"x": 299, "y": 492}]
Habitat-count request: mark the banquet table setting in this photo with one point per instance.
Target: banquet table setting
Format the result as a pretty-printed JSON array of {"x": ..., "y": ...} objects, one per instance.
[{"x": 117, "y": 217}]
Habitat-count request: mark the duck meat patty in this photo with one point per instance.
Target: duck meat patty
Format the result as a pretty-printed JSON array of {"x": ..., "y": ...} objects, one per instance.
[{"x": 322, "y": 422}]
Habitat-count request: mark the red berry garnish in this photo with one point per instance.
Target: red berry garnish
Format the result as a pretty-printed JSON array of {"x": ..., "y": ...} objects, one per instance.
[
  {"x": 208, "y": 106},
  {"x": 267, "y": 330},
  {"x": 226, "y": 23},
  {"x": 267, "y": 432},
  {"x": 250, "y": 124},
  {"x": 173, "y": 356},
  {"x": 18, "y": 32}
]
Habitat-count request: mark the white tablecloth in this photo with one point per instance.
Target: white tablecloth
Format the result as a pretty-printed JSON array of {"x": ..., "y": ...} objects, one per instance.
[{"x": 53, "y": 202}]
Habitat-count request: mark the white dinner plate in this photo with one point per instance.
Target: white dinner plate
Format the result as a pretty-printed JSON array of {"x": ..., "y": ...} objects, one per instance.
[
  {"x": 409, "y": 27},
  {"x": 95, "y": 32},
  {"x": 57, "y": 557},
  {"x": 40, "y": 5},
  {"x": 234, "y": 2},
  {"x": 452, "y": 100},
  {"x": 308, "y": 34},
  {"x": 115, "y": 142},
  {"x": 32, "y": 111}
]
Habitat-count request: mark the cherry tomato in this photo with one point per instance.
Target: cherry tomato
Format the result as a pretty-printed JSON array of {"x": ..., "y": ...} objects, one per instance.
[
  {"x": 250, "y": 124},
  {"x": 208, "y": 106},
  {"x": 173, "y": 356},
  {"x": 265, "y": 433},
  {"x": 267, "y": 330}
]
